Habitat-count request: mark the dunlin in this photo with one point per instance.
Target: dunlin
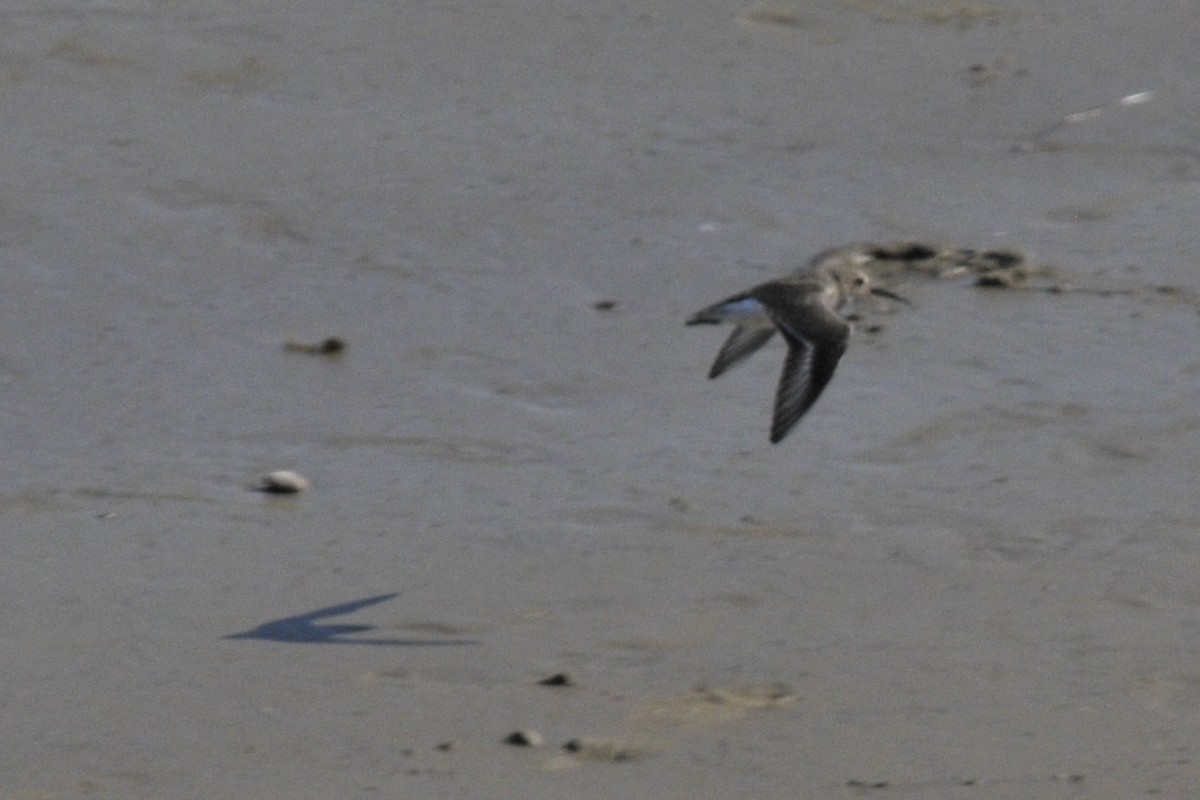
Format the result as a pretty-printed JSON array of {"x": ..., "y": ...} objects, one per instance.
[{"x": 803, "y": 306}]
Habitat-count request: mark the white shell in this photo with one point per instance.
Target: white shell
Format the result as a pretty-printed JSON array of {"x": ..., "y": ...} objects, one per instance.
[{"x": 284, "y": 481}]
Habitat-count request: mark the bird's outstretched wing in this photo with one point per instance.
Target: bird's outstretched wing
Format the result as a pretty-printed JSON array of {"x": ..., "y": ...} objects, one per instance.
[
  {"x": 816, "y": 338},
  {"x": 740, "y": 345}
]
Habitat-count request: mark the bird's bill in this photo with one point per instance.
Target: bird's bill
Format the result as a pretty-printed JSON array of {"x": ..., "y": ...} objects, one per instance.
[{"x": 879, "y": 292}]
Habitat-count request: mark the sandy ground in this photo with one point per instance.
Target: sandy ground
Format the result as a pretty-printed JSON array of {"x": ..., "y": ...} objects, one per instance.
[{"x": 969, "y": 573}]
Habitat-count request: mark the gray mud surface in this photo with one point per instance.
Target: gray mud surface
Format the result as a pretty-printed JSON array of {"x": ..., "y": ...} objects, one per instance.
[{"x": 971, "y": 571}]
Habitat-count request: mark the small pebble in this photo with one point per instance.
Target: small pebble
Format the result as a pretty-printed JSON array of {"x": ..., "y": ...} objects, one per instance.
[
  {"x": 283, "y": 481},
  {"x": 860, "y": 784},
  {"x": 524, "y": 738},
  {"x": 1002, "y": 279},
  {"x": 605, "y": 305},
  {"x": 557, "y": 679},
  {"x": 446, "y": 747},
  {"x": 329, "y": 346}
]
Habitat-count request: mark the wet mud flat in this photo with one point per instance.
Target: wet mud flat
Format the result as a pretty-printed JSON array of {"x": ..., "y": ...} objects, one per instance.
[{"x": 355, "y": 444}]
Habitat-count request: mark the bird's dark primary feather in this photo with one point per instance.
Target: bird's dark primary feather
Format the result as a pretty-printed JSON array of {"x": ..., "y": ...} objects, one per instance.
[
  {"x": 816, "y": 338},
  {"x": 740, "y": 345}
]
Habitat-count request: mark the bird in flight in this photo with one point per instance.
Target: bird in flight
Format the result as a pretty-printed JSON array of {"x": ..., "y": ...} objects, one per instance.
[{"x": 803, "y": 306}]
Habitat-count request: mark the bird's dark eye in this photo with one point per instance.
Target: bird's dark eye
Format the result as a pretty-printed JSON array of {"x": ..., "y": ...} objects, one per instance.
[{"x": 860, "y": 281}]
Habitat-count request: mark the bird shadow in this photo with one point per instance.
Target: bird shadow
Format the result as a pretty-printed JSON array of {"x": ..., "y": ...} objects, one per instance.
[{"x": 306, "y": 628}]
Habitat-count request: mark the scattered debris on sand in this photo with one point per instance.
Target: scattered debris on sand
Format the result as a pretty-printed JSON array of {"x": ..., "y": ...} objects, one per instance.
[
  {"x": 608, "y": 748},
  {"x": 1000, "y": 268}
]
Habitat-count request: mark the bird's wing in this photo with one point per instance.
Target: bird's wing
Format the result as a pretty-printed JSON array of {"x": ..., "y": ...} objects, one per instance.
[
  {"x": 816, "y": 338},
  {"x": 744, "y": 306},
  {"x": 740, "y": 345},
  {"x": 806, "y": 372}
]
